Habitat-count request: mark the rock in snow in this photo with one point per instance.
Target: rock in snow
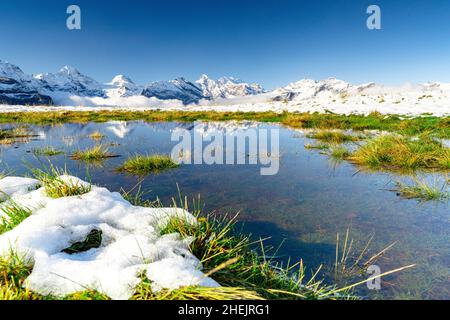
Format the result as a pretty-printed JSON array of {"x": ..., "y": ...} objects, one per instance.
[{"x": 131, "y": 242}]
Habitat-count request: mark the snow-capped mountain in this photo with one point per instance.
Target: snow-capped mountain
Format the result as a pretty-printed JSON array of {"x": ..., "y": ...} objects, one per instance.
[
  {"x": 70, "y": 88},
  {"x": 333, "y": 90},
  {"x": 122, "y": 86},
  {"x": 178, "y": 89},
  {"x": 19, "y": 88},
  {"x": 227, "y": 87},
  {"x": 70, "y": 80},
  {"x": 307, "y": 89}
]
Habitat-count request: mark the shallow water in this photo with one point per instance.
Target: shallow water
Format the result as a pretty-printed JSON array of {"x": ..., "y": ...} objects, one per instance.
[{"x": 305, "y": 204}]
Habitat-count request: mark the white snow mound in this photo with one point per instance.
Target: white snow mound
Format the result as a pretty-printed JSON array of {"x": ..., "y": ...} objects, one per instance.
[{"x": 131, "y": 242}]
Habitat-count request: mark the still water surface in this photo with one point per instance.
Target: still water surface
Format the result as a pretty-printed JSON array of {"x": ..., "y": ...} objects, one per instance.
[{"x": 304, "y": 205}]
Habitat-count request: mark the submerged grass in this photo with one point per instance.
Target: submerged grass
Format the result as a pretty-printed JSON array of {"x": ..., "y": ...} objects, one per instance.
[
  {"x": 145, "y": 164},
  {"x": 438, "y": 126},
  {"x": 400, "y": 152},
  {"x": 96, "y": 153}
]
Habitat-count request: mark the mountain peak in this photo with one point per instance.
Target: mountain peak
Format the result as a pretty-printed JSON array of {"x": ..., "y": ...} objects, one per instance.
[
  {"x": 227, "y": 87},
  {"x": 69, "y": 70},
  {"x": 120, "y": 79},
  {"x": 10, "y": 70}
]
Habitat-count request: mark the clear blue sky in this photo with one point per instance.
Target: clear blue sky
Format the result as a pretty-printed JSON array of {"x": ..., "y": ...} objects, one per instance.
[{"x": 271, "y": 42}]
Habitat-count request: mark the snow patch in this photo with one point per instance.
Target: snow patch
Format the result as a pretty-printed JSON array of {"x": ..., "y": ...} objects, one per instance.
[{"x": 131, "y": 242}]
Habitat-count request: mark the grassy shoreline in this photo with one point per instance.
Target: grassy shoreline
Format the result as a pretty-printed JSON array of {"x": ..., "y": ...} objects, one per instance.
[{"x": 438, "y": 126}]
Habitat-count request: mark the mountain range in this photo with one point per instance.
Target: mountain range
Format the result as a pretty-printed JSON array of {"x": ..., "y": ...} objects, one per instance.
[
  {"x": 16, "y": 87},
  {"x": 70, "y": 88}
]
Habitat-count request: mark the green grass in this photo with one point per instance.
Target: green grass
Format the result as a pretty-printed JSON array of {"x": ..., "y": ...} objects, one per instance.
[
  {"x": 438, "y": 126},
  {"x": 145, "y": 164},
  {"x": 404, "y": 153},
  {"x": 47, "y": 151},
  {"x": 96, "y": 153},
  {"x": 339, "y": 152},
  {"x": 14, "y": 269},
  {"x": 12, "y": 214},
  {"x": 56, "y": 187},
  {"x": 317, "y": 146},
  {"x": 334, "y": 137},
  {"x": 421, "y": 190},
  {"x": 229, "y": 257}
]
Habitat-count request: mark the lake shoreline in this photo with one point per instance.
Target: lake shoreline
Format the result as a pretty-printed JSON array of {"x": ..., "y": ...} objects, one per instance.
[{"x": 408, "y": 125}]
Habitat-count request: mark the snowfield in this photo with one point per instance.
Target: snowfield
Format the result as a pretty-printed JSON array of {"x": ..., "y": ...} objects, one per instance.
[
  {"x": 131, "y": 242},
  {"x": 411, "y": 106}
]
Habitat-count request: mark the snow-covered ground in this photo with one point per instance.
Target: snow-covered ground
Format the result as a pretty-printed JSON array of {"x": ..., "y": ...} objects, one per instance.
[
  {"x": 131, "y": 242},
  {"x": 412, "y": 106}
]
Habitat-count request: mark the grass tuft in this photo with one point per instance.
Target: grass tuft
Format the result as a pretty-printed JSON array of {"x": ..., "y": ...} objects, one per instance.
[
  {"x": 96, "y": 153},
  {"x": 96, "y": 135},
  {"x": 47, "y": 151},
  {"x": 422, "y": 190},
  {"x": 335, "y": 137},
  {"x": 339, "y": 153},
  {"x": 318, "y": 146},
  {"x": 399, "y": 152},
  {"x": 56, "y": 187},
  {"x": 145, "y": 164},
  {"x": 12, "y": 214}
]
